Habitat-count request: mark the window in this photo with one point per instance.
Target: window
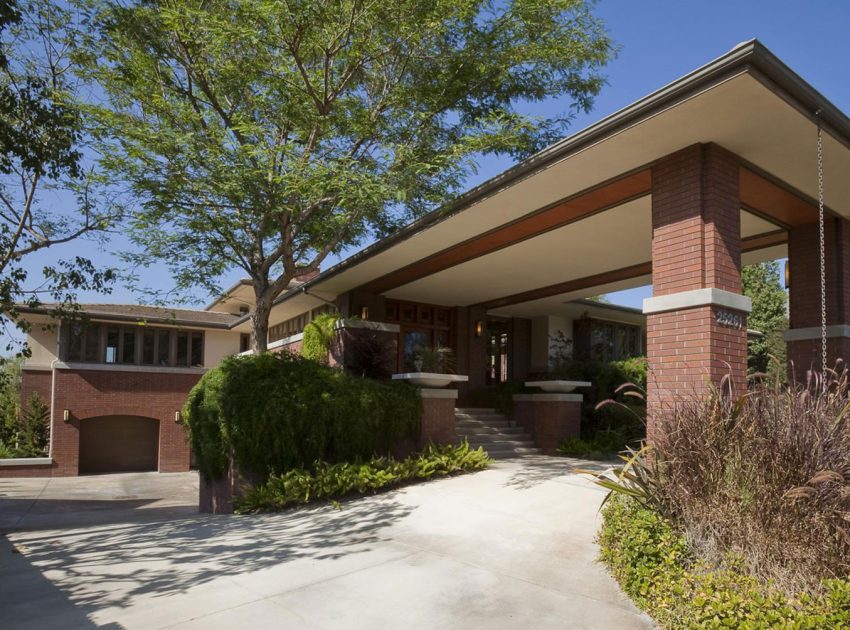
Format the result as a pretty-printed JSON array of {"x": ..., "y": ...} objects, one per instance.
[
  {"x": 422, "y": 326},
  {"x": 601, "y": 340},
  {"x": 133, "y": 345}
]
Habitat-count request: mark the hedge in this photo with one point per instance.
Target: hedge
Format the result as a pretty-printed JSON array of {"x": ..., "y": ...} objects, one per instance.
[
  {"x": 651, "y": 561},
  {"x": 337, "y": 481},
  {"x": 278, "y": 412}
]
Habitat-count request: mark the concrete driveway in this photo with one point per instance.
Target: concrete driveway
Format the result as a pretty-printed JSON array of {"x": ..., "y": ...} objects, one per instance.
[{"x": 509, "y": 547}]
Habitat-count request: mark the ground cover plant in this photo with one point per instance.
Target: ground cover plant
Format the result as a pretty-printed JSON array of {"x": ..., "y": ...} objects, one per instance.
[
  {"x": 324, "y": 481},
  {"x": 651, "y": 559},
  {"x": 271, "y": 413},
  {"x": 738, "y": 513}
]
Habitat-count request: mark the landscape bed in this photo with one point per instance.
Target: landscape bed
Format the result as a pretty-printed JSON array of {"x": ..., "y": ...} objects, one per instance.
[{"x": 326, "y": 481}]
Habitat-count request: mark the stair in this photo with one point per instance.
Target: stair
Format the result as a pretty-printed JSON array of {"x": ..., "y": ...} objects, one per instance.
[{"x": 494, "y": 432}]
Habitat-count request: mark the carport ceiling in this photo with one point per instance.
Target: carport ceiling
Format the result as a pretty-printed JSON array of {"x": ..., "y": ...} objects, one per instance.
[{"x": 618, "y": 238}]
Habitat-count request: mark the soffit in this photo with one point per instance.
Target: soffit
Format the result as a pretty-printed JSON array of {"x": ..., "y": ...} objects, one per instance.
[{"x": 740, "y": 113}]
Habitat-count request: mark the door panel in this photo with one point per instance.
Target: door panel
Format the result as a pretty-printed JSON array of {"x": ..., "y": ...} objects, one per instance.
[{"x": 119, "y": 444}]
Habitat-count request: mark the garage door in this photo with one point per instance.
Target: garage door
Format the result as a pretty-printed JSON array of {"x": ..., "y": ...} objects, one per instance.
[{"x": 118, "y": 444}]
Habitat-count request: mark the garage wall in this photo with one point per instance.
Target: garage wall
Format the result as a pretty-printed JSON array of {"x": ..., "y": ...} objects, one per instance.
[{"x": 91, "y": 393}]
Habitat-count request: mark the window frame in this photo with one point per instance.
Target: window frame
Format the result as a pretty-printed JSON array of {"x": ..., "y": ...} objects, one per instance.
[{"x": 77, "y": 335}]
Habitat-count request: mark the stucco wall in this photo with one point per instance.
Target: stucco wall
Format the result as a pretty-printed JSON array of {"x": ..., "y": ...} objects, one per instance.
[
  {"x": 219, "y": 344},
  {"x": 42, "y": 343}
]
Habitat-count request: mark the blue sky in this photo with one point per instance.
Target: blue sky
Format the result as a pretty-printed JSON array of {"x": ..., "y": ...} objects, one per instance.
[{"x": 659, "y": 42}]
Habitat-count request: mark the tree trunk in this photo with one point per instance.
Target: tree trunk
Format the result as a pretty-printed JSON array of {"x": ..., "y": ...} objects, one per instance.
[{"x": 260, "y": 319}]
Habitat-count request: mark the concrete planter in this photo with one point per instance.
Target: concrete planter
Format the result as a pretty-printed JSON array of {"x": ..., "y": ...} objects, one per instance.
[
  {"x": 560, "y": 387},
  {"x": 430, "y": 379}
]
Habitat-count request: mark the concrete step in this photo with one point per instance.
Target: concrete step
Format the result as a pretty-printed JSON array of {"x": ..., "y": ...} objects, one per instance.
[
  {"x": 506, "y": 453},
  {"x": 485, "y": 438},
  {"x": 483, "y": 429},
  {"x": 471, "y": 424},
  {"x": 476, "y": 410},
  {"x": 486, "y": 417}
]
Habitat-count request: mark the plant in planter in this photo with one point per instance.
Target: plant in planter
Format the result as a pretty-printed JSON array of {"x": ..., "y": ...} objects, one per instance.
[
  {"x": 435, "y": 359},
  {"x": 318, "y": 337}
]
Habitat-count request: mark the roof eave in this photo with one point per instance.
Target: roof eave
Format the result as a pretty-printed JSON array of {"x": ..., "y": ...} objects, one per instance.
[{"x": 134, "y": 319}]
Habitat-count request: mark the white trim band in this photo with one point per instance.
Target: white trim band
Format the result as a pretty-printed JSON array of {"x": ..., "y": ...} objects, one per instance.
[
  {"x": 805, "y": 334},
  {"x": 697, "y": 297},
  {"x": 122, "y": 367},
  {"x": 426, "y": 392},
  {"x": 37, "y": 367},
  {"x": 26, "y": 461},
  {"x": 281, "y": 342},
  {"x": 548, "y": 398}
]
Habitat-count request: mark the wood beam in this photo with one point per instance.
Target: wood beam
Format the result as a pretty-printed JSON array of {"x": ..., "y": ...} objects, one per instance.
[{"x": 767, "y": 198}]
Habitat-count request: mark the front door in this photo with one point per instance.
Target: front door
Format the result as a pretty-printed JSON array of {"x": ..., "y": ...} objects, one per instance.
[{"x": 497, "y": 352}]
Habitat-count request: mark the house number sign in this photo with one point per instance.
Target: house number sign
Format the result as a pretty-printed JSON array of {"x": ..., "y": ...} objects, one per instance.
[{"x": 729, "y": 319}]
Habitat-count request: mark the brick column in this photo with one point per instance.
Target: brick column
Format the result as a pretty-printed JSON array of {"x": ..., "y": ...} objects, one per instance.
[
  {"x": 549, "y": 418},
  {"x": 697, "y": 317},
  {"x": 804, "y": 334},
  {"x": 438, "y": 416}
]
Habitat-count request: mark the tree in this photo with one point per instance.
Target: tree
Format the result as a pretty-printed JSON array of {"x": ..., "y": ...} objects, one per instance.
[
  {"x": 761, "y": 283},
  {"x": 265, "y": 135},
  {"x": 41, "y": 164}
]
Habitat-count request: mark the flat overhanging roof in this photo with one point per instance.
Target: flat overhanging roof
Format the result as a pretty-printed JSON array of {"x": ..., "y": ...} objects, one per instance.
[{"x": 579, "y": 211}]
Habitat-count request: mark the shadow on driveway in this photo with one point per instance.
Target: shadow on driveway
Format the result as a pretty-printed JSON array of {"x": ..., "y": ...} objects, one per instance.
[{"x": 170, "y": 556}]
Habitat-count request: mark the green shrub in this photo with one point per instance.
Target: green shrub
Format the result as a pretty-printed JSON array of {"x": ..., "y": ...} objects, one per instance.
[
  {"x": 654, "y": 566},
  {"x": 626, "y": 419},
  {"x": 276, "y": 412},
  {"x": 603, "y": 445},
  {"x": 318, "y": 337},
  {"x": 336, "y": 481},
  {"x": 34, "y": 428}
]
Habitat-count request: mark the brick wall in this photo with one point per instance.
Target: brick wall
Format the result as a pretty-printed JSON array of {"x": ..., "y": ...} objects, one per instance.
[
  {"x": 549, "y": 422},
  {"x": 38, "y": 381},
  {"x": 804, "y": 291},
  {"x": 438, "y": 421},
  {"x": 92, "y": 393},
  {"x": 696, "y": 245}
]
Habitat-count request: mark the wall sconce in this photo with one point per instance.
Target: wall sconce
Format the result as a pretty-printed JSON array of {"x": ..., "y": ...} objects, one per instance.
[
  {"x": 479, "y": 328},
  {"x": 364, "y": 312},
  {"x": 788, "y": 274},
  {"x": 176, "y": 416},
  {"x": 66, "y": 415}
]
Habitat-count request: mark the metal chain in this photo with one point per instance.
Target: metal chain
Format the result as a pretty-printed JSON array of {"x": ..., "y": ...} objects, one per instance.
[{"x": 822, "y": 248}]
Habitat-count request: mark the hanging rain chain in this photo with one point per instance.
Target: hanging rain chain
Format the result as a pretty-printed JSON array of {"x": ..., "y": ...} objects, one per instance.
[{"x": 822, "y": 249}]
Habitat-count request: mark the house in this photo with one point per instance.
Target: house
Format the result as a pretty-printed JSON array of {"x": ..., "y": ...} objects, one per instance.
[{"x": 679, "y": 189}]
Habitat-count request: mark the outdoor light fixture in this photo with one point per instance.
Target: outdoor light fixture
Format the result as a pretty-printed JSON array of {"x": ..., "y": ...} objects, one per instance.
[
  {"x": 787, "y": 274},
  {"x": 364, "y": 312},
  {"x": 66, "y": 415},
  {"x": 176, "y": 416},
  {"x": 479, "y": 328}
]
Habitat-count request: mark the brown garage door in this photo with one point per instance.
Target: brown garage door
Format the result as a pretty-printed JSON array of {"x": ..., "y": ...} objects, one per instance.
[{"x": 118, "y": 444}]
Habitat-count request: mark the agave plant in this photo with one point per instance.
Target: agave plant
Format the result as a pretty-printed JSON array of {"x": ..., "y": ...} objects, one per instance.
[
  {"x": 640, "y": 477},
  {"x": 439, "y": 359}
]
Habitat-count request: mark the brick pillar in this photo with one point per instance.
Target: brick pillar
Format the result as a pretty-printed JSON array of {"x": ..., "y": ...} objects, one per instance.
[
  {"x": 804, "y": 334},
  {"x": 549, "y": 418},
  {"x": 697, "y": 317},
  {"x": 438, "y": 416}
]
